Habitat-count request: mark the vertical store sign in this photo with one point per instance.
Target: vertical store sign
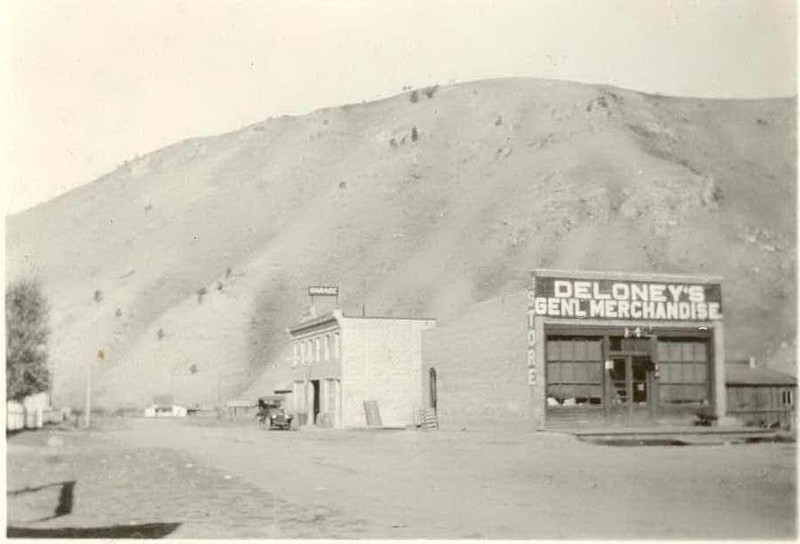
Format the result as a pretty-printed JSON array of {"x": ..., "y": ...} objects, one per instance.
[{"x": 532, "y": 335}]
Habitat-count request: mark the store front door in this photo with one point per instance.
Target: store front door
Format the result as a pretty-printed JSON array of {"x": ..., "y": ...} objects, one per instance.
[{"x": 629, "y": 395}]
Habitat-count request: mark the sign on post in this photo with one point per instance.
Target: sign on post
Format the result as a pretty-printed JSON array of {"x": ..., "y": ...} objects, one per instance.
[{"x": 323, "y": 291}]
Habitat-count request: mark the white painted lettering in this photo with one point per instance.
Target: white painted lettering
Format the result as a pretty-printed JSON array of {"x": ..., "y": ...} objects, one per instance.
[
  {"x": 639, "y": 292},
  {"x": 675, "y": 291},
  {"x": 611, "y": 308},
  {"x": 621, "y": 291},
  {"x": 598, "y": 294},
  {"x": 562, "y": 288},
  {"x": 657, "y": 292},
  {"x": 582, "y": 289},
  {"x": 697, "y": 293},
  {"x": 623, "y": 307}
]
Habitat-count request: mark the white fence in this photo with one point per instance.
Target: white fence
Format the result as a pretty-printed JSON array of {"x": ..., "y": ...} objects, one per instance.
[{"x": 30, "y": 415}]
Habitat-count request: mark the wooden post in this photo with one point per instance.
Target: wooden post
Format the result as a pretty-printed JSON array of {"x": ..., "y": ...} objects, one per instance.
[{"x": 88, "y": 410}]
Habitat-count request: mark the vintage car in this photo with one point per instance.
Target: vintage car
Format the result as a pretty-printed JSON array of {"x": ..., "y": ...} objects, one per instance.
[{"x": 270, "y": 409}]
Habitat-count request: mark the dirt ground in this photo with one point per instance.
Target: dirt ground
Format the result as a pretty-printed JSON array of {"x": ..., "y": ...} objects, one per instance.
[{"x": 204, "y": 479}]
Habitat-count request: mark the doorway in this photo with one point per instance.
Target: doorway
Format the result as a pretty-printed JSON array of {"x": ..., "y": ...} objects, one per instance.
[
  {"x": 629, "y": 390},
  {"x": 315, "y": 384},
  {"x": 432, "y": 388}
]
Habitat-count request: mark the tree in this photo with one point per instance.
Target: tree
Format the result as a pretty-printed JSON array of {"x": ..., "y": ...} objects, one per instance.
[{"x": 27, "y": 332}]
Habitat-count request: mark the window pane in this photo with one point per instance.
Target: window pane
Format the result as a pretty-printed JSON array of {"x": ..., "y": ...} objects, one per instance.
[
  {"x": 581, "y": 373},
  {"x": 700, "y": 352},
  {"x": 663, "y": 351},
  {"x": 594, "y": 350},
  {"x": 553, "y": 351},
  {"x": 595, "y": 394},
  {"x": 567, "y": 352},
  {"x": 554, "y": 372},
  {"x": 700, "y": 373},
  {"x": 665, "y": 372},
  {"x": 580, "y": 350},
  {"x": 674, "y": 351},
  {"x": 687, "y": 351},
  {"x": 567, "y": 375},
  {"x": 595, "y": 372}
]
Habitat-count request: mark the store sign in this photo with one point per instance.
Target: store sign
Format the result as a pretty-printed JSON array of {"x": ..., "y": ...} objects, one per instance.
[
  {"x": 323, "y": 291},
  {"x": 630, "y": 300}
]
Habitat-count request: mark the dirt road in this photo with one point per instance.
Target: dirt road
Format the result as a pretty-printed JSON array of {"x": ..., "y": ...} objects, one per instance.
[{"x": 196, "y": 479}]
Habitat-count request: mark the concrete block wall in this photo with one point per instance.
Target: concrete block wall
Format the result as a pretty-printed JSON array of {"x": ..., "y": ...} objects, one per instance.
[
  {"x": 382, "y": 361},
  {"x": 481, "y": 365}
]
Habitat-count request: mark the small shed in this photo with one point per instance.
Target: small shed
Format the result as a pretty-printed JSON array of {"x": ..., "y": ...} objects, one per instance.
[
  {"x": 760, "y": 396},
  {"x": 241, "y": 407}
]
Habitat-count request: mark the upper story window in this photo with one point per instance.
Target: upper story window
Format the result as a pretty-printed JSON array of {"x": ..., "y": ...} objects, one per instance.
[
  {"x": 318, "y": 348},
  {"x": 337, "y": 345},
  {"x": 295, "y": 354},
  {"x": 327, "y": 347}
]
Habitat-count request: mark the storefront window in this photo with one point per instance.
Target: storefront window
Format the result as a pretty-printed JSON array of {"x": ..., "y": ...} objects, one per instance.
[
  {"x": 574, "y": 371},
  {"x": 683, "y": 369}
]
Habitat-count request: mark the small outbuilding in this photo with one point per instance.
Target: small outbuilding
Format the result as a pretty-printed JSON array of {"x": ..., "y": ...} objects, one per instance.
[{"x": 760, "y": 396}]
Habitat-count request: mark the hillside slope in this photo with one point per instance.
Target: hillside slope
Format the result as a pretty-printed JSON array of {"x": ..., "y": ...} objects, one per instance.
[{"x": 413, "y": 205}]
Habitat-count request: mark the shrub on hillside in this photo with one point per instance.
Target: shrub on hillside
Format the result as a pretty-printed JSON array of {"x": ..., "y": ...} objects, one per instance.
[
  {"x": 27, "y": 332},
  {"x": 414, "y": 96},
  {"x": 430, "y": 91},
  {"x": 200, "y": 294},
  {"x": 414, "y": 134}
]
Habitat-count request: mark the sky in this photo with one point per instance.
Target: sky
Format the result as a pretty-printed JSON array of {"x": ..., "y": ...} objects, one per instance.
[{"x": 86, "y": 85}]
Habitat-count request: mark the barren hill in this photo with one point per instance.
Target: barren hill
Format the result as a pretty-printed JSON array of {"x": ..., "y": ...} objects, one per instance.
[{"x": 187, "y": 265}]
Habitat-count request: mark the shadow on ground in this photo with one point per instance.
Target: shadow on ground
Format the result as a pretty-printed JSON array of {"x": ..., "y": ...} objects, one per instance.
[
  {"x": 144, "y": 530},
  {"x": 66, "y": 497}
]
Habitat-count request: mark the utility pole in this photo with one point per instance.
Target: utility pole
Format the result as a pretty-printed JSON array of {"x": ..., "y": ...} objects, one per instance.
[
  {"x": 88, "y": 416},
  {"x": 88, "y": 409}
]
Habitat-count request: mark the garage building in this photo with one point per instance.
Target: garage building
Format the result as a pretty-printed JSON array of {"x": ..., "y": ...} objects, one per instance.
[{"x": 342, "y": 362}]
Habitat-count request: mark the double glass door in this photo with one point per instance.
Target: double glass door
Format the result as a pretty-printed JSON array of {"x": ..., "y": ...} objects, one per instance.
[{"x": 630, "y": 385}]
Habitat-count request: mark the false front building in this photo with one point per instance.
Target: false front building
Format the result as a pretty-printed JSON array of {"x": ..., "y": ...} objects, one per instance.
[
  {"x": 582, "y": 349},
  {"x": 342, "y": 362}
]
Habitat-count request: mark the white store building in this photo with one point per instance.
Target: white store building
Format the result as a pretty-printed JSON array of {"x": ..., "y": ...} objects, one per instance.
[{"x": 342, "y": 362}]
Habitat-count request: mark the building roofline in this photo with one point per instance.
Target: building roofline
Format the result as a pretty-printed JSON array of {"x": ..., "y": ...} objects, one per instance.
[
  {"x": 387, "y": 317},
  {"x": 315, "y": 321},
  {"x": 338, "y": 316},
  {"x": 630, "y": 276}
]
